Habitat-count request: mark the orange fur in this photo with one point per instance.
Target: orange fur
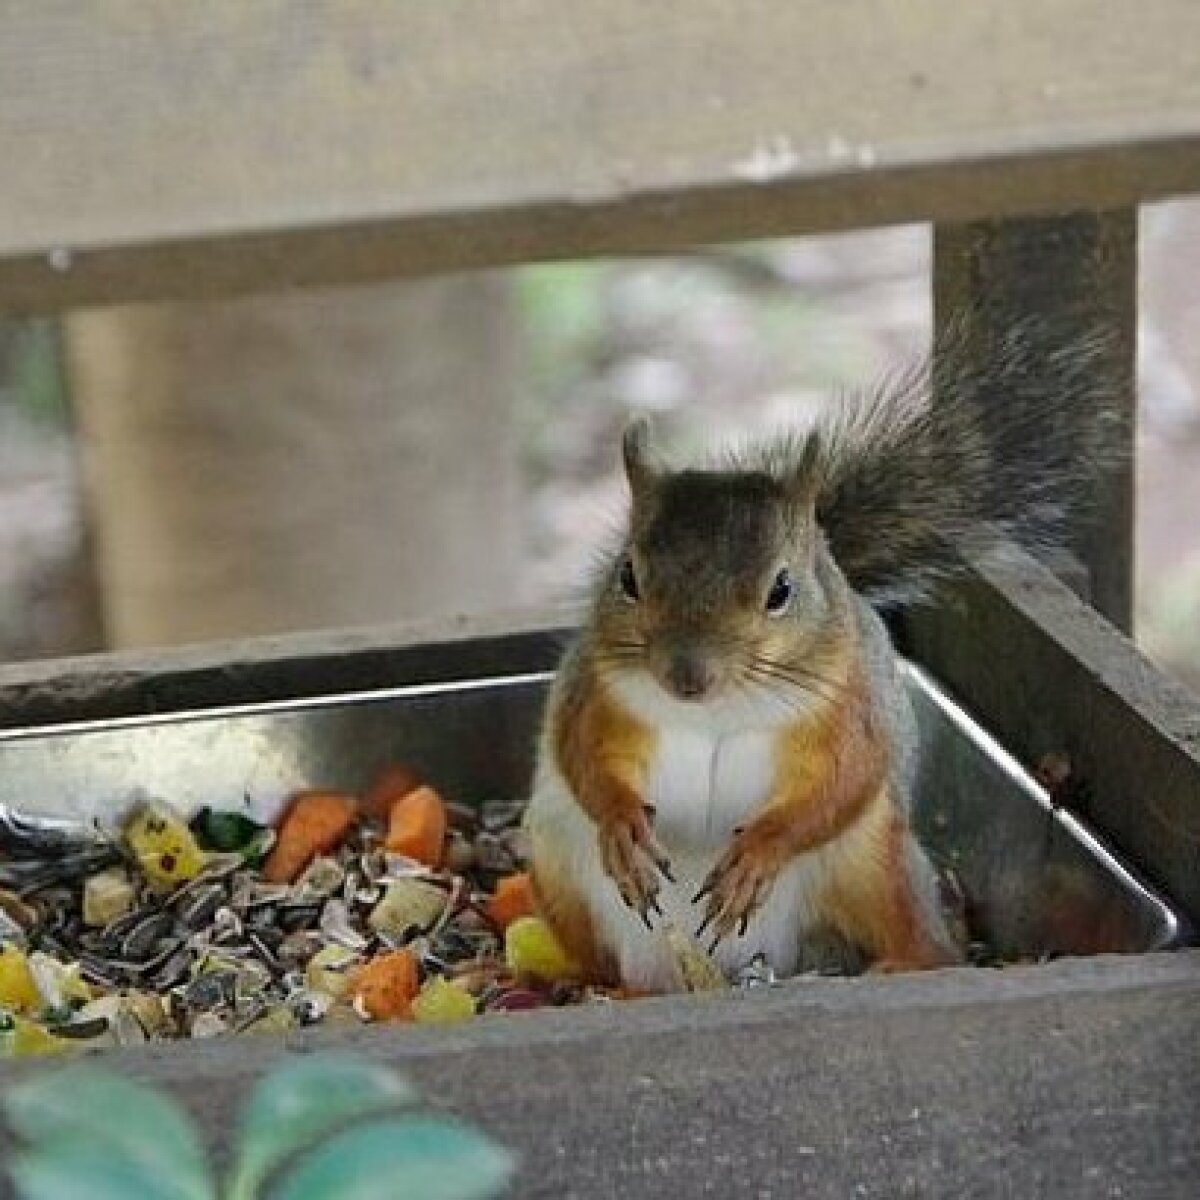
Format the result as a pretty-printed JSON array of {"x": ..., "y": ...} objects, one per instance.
[
  {"x": 602, "y": 751},
  {"x": 872, "y": 902},
  {"x": 828, "y": 767},
  {"x": 828, "y": 770}
]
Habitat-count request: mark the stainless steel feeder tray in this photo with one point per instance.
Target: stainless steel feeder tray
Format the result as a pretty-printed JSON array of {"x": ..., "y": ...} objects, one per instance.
[{"x": 1038, "y": 882}]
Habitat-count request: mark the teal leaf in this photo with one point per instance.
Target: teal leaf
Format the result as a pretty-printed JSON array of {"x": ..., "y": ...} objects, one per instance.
[
  {"x": 303, "y": 1100},
  {"x": 418, "y": 1158},
  {"x": 138, "y": 1129},
  {"x": 85, "y": 1168}
]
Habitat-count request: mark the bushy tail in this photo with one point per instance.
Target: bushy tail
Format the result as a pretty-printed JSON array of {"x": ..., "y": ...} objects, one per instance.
[{"x": 900, "y": 479}]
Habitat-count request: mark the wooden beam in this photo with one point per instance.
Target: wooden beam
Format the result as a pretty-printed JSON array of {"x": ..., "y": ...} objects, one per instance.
[
  {"x": 258, "y": 670},
  {"x": 1046, "y": 674},
  {"x": 1060, "y": 1080},
  {"x": 1058, "y": 280},
  {"x": 153, "y": 150}
]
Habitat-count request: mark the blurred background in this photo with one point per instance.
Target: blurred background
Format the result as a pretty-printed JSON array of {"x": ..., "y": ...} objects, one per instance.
[{"x": 180, "y": 473}]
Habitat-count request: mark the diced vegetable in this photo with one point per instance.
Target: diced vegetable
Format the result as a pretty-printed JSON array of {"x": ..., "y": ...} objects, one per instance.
[
  {"x": 18, "y": 988},
  {"x": 107, "y": 895},
  {"x": 417, "y": 826},
  {"x": 530, "y": 948},
  {"x": 163, "y": 846},
  {"x": 512, "y": 899},
  {"x": 441, "y": 1002},
  {"x": 314, "y": 823},
  {"x": 385, "y": 987}
]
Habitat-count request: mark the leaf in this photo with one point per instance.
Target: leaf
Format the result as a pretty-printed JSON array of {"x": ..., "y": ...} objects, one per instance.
[
  {"x": 300, "y": 1102},
  {"x": 255, "y": 851},
  {"x": 225, "y": 832},
  {"x": 84, "y": 1168},
  {"x": 420, "y": 1158},
  {"x": 137, "y": 1128}
]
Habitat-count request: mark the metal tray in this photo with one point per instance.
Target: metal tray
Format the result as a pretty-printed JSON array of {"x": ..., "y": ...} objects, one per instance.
[{"x": 1037, "y": 881}]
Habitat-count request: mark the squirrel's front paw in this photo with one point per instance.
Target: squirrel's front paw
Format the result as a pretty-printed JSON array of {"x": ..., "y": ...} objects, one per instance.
[
  {"x": 634, "y": 859},
  {"x": 739, "y": 884}
]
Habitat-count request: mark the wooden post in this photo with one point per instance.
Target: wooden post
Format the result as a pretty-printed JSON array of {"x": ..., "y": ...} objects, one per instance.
[{"x": 1071, "y": 274}]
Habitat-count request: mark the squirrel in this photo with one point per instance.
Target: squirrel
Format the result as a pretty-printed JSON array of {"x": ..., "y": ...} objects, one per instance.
[{"x": 727, "y": 745}]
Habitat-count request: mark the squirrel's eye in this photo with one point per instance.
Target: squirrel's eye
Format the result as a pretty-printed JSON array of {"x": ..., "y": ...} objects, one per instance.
[
  {"x": 780, "y": 595},
  {"x": 628, "y": 580}
]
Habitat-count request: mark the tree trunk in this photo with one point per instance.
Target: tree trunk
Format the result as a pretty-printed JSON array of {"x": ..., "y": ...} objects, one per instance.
[{"x": 336, "y": 458}]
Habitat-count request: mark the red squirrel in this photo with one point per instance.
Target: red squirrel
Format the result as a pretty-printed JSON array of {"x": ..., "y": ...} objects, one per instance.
[{"x": 728, "y": 746}]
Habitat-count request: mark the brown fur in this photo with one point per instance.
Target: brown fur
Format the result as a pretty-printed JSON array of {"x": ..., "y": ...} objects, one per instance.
[
  {"x": 829, "y": 770},
  {"x": 872, "y": 903},
  {"x": 601, "y": 750},
  {"x": 829, "y": 767}
]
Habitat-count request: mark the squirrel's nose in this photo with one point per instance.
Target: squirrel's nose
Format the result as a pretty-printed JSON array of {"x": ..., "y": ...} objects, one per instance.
[{"x": 689, "y": 674}]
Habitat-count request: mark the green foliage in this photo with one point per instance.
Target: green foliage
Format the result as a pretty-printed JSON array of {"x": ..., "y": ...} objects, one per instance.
[
  {"x": 426, "y": 1157},
  {"x": 232, "y": 832},
  {"x": 31, "y": 371},
  {"x": 302, "y": 1102},
  {"x": 563, "y": 309},
  {"x": 316, "y": 1128},
  {"x": 86, "y": 1170},
  {"x": 105, "y": 1132}
]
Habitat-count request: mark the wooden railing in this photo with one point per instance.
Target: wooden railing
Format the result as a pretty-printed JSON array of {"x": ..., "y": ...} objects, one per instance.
[{"x": 150, "y": 149}]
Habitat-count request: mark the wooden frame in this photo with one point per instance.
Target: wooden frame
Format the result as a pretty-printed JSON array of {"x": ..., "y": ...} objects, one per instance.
[
  {"x": 1052, "y": 1081},
  {"x": 1047, "y": 674},
  {"x": 192, "y": 151},
  {"x": 228, "y": 147}
]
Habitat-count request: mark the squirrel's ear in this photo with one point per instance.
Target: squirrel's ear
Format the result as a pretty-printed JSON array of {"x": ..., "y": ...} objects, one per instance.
[
  {"x": 635, "y": 450},
  {"x": 793, "y": 459},
  {"x": 800, "y": 474}
]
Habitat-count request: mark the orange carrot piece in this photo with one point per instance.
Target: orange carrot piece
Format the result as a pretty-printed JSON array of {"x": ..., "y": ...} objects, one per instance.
[
  {"x": 313, "y": 823},
  {"x": 512, "y": 898},
  {"x": 417, "y": 826},
  {"x": 390, "y": 785},
  {"x": 386, "y": 986}
]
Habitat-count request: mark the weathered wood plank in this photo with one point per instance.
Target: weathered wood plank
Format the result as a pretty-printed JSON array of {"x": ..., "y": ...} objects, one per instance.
[
  {"x": 1073, "y": 1080},
  {"x": 263, "y": 669},
  {"x": 1045, "y": 673},
  {"x": 1059, "y": 280},
  {"x": 154, "y": 150}
]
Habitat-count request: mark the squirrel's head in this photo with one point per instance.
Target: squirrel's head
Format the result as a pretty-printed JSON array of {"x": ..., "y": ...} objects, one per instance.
[{"x": 719, "y": 584}]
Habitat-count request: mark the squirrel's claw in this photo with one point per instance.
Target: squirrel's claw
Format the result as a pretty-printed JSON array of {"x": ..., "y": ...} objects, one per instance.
[
  {"x": 633, "y": 859},
  {"x": 653, "y": 847},
  {"x": 736, "y": 888}
]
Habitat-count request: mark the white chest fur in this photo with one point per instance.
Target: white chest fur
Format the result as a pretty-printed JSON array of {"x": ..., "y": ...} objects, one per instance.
[
  {"x": 703, "y": 785},
  {"x": 712, "y": 769}
]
